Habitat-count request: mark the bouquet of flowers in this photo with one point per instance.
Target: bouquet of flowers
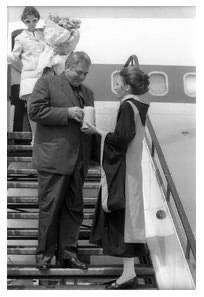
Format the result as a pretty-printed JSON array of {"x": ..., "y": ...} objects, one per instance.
[
  {"x": 66, "y": 23},
  {"x": 61, "y": 37}
]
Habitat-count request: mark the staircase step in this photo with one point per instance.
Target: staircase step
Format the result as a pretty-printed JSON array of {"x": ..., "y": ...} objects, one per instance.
[
  {"x": 31, "y": 233},
  {"x": 35, "y": 215},
  {"x": 32, "y": 202},
  {"x": 30, "y": 185},
  {"x": 19, "y": 135},
  {"x": 79, "y": 283},
  {"x": 87, "y": 249},
  {"x": 22, "y": 171},
  {"x": 30, "y": 272},
  {"x": 31, "y": 250},
  {"x": 19, "y": 147},
  {"x": 34, "y": 185},
  {"x": 93, "y": 172},
  {"x": 34, "y": 199},
  {"x": 84, "y": 248},
  {"x": 19, "y": 159}
]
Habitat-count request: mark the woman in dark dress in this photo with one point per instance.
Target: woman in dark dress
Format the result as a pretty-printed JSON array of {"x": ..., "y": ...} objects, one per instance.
[{"x": 119, "y": 226}]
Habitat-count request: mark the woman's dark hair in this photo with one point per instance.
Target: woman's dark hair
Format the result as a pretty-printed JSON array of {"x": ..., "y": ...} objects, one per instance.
[
  {"x": 30, "y": 10},
  {"x": 136, "y": 78}
]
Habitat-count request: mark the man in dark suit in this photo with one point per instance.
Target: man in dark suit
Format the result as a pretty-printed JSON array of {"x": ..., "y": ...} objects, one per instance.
[{"x": 61, "y": 155}]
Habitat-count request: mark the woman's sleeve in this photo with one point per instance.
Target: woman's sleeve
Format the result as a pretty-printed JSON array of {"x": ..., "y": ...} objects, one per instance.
[
  {"x": 14, "y": 56},
  {"x": 124, "y": 130},
  {"x": 68, "y": 46},
  {"x": 74, "y": 39}
]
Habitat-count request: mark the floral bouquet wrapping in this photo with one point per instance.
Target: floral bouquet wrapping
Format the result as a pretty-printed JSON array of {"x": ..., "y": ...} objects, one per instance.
[{"x": 61, "y": 37}]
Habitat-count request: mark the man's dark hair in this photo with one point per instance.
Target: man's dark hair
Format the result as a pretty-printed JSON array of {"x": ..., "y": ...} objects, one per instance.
[
  {"x": 48, "y": 70},
  {"x": 77, "y": 57}
]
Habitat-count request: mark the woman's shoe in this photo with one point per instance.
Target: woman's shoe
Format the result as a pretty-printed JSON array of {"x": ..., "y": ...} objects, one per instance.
[{"x": 130, "y": 284}]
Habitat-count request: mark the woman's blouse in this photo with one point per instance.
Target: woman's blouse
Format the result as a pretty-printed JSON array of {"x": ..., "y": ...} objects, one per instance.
[{"x": 28, "y": 46}]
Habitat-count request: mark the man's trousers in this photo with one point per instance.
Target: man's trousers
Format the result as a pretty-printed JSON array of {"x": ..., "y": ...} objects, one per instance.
[{"x": 61, "y": 211}]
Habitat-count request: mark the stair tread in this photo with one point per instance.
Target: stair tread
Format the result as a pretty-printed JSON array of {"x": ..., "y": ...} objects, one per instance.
[
  {"x": 19, "y": 147},
  {"x": 72, "y": 272},
  {"x": 34, "y": 184},
  {"x": 34, "y": 216},
  {"x": 22, "y": 229},
  {"x": 19, "y": 159},
  {"x": 32, "y": 233},
  {"x": 79, "y": 283},
  {"x": 12, "y": 199},
  {"x": 88, "y": 250},
  {"x": 19, "y": 135},
  {"x": 15, "y": 202},
  {"x": 92, "y": 171},
  {"x": 82, "y": 250},
  {"x": 72, "y": 286}
]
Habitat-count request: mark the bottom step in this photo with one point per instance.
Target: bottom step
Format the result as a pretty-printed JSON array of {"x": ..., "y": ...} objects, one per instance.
[
  {"x": 144, "y": 283},
  {"x": 94, "y": 278},
  {"x": 30, "y": 272}
]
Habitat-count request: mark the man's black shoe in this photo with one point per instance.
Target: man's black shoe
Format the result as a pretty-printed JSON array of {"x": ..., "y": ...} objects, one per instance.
[
  {"x": 43, "y": 262},
  {"x": 74, "y": 262}
]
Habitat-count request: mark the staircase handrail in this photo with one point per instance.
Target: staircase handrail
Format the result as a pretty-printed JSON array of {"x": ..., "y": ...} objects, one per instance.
[{"x": 171, "y": 188}]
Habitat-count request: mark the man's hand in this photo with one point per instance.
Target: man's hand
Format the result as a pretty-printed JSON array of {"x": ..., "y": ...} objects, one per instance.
[
  {"x": 76, "y": 113},
  {"x": 91, "y": 129}
]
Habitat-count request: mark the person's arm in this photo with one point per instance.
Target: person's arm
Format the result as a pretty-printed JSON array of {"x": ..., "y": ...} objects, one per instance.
[
  {"x": 14, "y": 56},
  {"x": 41, "y": 111},
  {"x": 124, "y": 130},
  {"x": 66, "y": 47},
  {"x": 74, "y": 39}
]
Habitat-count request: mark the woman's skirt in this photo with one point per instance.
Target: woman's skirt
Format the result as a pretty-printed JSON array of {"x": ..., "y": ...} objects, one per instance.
[{"x": 108, "y": 233}]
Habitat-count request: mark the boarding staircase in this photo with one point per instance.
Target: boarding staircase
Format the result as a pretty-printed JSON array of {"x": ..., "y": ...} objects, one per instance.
[{"x": 23, "y": 212}]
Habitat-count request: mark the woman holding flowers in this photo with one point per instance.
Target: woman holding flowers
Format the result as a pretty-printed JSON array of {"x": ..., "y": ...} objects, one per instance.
[
  {"x": 28, "y": 46},
  {"x": 40, "y": 48}
]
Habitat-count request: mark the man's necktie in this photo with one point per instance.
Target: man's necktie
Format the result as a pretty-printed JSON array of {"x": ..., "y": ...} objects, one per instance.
[{"x": 79, "y": 96}]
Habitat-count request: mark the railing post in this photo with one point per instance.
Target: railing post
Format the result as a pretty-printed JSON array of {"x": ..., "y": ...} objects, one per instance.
[
  {"x": 152, "y": 150},
  {"x": 188, "y": 248},
  {"x": 168, "y": 191}
]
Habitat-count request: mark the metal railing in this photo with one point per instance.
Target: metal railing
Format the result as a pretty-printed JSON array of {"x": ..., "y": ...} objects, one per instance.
[{"x": 169, "y": 188}]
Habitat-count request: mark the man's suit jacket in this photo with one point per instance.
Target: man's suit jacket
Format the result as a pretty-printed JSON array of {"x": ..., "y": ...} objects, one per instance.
[{"x": 58, "y": 139}]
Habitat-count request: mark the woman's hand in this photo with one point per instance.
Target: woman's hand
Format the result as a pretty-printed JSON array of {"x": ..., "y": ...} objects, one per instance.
[{"x": 91, "y": 129}]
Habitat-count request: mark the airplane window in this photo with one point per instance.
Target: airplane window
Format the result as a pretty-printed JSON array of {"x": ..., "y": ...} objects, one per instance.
[
  {"x": 189, "y": 82},
  {"x": 158, "y": 83},
  {"x": 115, "y": 81}
]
